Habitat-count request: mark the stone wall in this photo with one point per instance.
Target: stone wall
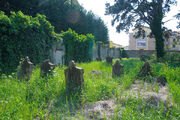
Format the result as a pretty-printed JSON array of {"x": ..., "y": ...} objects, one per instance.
[
  {"x": 105, "y": 51},
  {"x": 138, "y": 53},
  {"x": 58, "y": 52}
]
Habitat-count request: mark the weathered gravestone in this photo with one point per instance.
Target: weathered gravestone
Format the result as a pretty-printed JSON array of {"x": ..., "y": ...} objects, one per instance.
[
  {"x": 145, "y": 70},
  {"x": 98, "y": 59},
  {"x": 26, "y": 68},
  {"x": 109, "y": 60},
  {"x": 47, "y": 67},
  {"x": 117, "y": 69},
  {"x": 74, "y": 78}
]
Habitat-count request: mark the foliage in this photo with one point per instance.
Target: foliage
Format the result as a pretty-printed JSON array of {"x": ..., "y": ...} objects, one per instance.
[
  {"x": 123, "y": 53},
  {"x": 63, "y": 14},
  {"x": 77, "y": 47},
  {"x": 173, "y": 59},
  {"x": 145, "y": 58},
  {"x": 173, "y": 79},
  {"x": 45, "y": 98},
  {"x": 178, "y": 17},
  {"x": 22, "y": 35},
  {"x": 137, "y": 13}
]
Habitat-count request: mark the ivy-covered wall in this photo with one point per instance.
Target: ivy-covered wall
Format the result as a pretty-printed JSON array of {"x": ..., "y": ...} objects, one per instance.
[
  {"x": 77, "y": 47},
  {"x": 22, "y": 35}
]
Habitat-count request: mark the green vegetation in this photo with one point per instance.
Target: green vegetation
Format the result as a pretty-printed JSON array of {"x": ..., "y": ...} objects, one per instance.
[
  {"x": 137, "y": 13},
  {"x": 62, "y": 14},
  {"x": 45, "y": 98},
  {"x": 22, "y": 35},
  {"x": 77, "y": 47}
]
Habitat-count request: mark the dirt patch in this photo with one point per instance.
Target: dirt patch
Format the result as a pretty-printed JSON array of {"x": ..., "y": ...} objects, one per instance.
[
  {"x": 100, "y": 110},
  {"x": 149, "y": 91},
  {"x": 103, "y": 110}
]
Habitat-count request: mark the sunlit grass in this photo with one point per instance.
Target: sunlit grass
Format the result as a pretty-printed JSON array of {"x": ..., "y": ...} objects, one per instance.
[{"x": 45, "y": 97}]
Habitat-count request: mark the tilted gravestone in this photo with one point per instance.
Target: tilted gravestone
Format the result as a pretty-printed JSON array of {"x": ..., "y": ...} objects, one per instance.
[
  {"x": 47, "y": 67},
  {"x": 145, "y": 70},
  {"x": 74, "y": 78},
  {"x": 109, "y": 60},
  {"x": 26, "y": 68},
  {"x": 117, "y": 69}
]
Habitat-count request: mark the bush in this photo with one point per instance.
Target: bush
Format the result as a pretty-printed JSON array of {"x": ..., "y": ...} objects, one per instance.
[
  {"x": 145, "y": 58},
  {"x": 77, "y": 47},
  {"x": 123, "y": 53},
  {"x": 22, "y": 35},
  {"x": 173, "y": 59}
]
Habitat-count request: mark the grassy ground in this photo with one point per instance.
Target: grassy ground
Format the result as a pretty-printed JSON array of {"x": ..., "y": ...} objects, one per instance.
[{"x": 45, "y": 97}]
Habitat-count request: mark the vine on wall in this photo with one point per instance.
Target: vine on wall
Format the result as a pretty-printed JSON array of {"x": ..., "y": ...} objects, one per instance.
[
  {"x": 22, "y": 35},
  {"x": 77, "y": 47}
]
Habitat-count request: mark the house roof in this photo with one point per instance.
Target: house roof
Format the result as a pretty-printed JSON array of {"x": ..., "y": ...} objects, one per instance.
[{"x": 112, "y": 44}]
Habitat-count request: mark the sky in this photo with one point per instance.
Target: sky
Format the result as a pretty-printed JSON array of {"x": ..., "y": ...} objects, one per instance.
[{"x": 98, "y": 8}]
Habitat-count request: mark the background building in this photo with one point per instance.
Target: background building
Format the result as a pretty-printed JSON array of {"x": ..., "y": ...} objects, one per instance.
[{"x": 144, "y": 42}]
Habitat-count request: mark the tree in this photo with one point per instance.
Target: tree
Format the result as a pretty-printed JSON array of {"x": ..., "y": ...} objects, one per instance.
[
  {"x": 129, "y": 13},
  {"x": 63, "y": 14},
  {"x": 178, "y": 17},
  {"x": 22, "y": 35}
]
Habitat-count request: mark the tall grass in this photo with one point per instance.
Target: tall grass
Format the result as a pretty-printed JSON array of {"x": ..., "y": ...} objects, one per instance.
[{"x": 45, "y": 97}]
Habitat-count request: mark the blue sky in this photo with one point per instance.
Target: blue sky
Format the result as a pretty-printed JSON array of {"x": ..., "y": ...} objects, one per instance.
[{"x": 98, "y": 7}]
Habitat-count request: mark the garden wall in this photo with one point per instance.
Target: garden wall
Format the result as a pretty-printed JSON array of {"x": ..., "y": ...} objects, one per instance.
[
  {"x": 139, "y": 53},
  {"x": 58, "y": 52}
]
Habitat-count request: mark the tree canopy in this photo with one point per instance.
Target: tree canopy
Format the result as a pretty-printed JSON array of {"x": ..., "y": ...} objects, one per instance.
[
  {"x": 129, "y": 13},
  {"x": 178, "y": 17},
  {"x": 63, "y": 14}
]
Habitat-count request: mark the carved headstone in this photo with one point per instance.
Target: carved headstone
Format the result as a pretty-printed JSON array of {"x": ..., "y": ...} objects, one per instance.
[
  {"x": 26, "y": 68},
  {"x": 145, "y": 70},
  {"x": 109, "y": 60},
  {"x": 98, "y": 59},
  {"x": 117, "y": 69},
  {"x": 74, "y": 78},
  {"x": 47, "y": 67}
]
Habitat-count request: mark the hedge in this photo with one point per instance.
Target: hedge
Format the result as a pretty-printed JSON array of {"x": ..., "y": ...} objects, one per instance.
[
  {"x": 77, "y": 47},
  {"x": 22, "y": 35}
]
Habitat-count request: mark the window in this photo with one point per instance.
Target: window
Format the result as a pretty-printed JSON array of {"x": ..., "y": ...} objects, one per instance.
[{"x": 141, "y": 43}]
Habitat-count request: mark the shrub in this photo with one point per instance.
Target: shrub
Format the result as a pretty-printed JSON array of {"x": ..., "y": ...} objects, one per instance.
[
  {"x": 173, "y": 59},
  {"x": 77, "y": 47},
  {"x": 22, "y": 35},
  {"x": 145, "y": 58}
]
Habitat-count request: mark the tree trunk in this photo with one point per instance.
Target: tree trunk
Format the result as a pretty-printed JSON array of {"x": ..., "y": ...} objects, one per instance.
[
  {"x": 156, "y": 27},
  {"x": 157, "y": 32}
]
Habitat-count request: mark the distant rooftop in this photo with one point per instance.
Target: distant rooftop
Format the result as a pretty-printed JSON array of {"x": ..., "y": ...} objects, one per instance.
[{"x": 114, "y": 45}]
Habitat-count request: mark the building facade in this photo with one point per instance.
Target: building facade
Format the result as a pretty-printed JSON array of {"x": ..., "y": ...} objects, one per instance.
[{"x": 147, "y": 43}]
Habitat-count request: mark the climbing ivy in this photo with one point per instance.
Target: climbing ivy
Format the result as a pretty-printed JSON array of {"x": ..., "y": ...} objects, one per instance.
[
  {"x": 77, "y": 47},
  {"x": 22, "y": 35}
]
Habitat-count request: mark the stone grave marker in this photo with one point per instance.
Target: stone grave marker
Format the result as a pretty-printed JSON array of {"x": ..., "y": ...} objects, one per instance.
[
  {"x": 47, "y": 67},
  {"x": 117, "y": 69},
  {"x": 145, "y": 70},
  {"x": 109, "y": 60},
  {"x": 74, "y": 78},
  {"x": 26, "y": 68}
]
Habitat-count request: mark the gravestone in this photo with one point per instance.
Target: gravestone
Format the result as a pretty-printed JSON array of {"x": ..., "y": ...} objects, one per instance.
[
  {"x": 74, "y": 78},
  {"x": 47, "y": 67},
  {"x": 98, "y": 59},
  {"x": 117, "y": 69},
  {"x": 26, "y": 68},
  {"x": 145, "y": 70},
  {"x": 109, "y": 60}
]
